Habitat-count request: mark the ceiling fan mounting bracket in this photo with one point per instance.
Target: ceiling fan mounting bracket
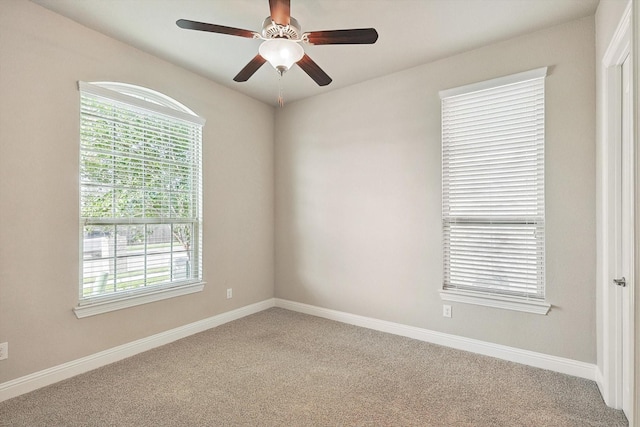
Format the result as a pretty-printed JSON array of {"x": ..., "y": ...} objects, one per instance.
[{"x": 271, "y": 30}]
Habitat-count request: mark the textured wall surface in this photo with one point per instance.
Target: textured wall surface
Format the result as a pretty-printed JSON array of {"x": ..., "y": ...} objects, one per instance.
[
  {"x": 358, "y": 196},
  {"x": 40, "y": 64}
]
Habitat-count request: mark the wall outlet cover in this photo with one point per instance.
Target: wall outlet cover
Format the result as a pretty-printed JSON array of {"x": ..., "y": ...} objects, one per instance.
[
  {"x": 4, "y": 350},
  {"x": 446, "y": 310}
]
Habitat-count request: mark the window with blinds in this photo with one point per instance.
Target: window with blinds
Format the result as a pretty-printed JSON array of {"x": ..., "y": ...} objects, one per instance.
[
  {"x": 140, "y": 192},
  {"x": 493, "y": 188}
]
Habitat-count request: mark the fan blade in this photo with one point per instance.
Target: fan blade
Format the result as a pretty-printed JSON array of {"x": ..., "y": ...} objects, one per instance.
[
  {"x": 315, "y": 72},
  {"x": 280, "y": 11},
  {"x": 212, "y": 28},
  {"x": 250, "y": 68},
  {"x": 354, "y": 36}
]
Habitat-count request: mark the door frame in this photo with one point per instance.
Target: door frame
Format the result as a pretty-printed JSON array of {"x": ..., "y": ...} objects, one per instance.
[
  {"x": 635, "y": 73},
  {"x": 610, "y": 323}
]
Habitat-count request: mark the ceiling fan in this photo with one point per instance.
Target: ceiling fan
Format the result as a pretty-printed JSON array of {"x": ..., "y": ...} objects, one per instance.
[{"x": 282, "y": 42}]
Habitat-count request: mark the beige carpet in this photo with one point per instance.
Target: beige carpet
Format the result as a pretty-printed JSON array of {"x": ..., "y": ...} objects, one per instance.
[{"x": 280, "y": 368}]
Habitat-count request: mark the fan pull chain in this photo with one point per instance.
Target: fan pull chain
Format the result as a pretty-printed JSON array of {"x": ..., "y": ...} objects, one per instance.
[{"x": 280, "y": 92}]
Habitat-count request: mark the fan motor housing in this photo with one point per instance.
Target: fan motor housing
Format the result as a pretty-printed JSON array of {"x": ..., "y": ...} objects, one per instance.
[{"x": 271, "y": 30}]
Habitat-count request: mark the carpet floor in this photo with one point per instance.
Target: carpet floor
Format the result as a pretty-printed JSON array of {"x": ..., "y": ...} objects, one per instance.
[{"x": 281, "y": 368}]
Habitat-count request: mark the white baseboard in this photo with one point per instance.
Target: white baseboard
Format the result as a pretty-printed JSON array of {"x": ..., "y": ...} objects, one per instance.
[
  {"x": 602, "y": 387},
  {"x": 526, "y": 357},
  {"x": 52, "y": 375}
]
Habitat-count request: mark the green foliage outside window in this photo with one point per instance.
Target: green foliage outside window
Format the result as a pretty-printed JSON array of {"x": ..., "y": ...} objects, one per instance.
[{"x": 140, "y": 182}]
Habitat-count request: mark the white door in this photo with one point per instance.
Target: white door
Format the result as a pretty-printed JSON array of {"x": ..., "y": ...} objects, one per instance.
[
  {"x": 624, "y": 279},
  {"x": 617, "y": 203}
]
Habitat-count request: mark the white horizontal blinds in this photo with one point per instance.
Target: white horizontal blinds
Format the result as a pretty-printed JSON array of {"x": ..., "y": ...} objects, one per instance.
[
  {"x": 140, "y": 194},
  {"x": 493, "y": 188}
]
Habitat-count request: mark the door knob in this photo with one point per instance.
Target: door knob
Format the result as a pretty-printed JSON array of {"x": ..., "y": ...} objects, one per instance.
[{"x": 620, "y": 282}]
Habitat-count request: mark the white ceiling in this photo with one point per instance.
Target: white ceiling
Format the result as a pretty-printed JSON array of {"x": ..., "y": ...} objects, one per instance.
[{"x": 411, "y": 32}]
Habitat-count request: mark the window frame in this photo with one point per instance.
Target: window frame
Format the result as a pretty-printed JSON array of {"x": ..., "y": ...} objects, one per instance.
[
  {"x": 146, "y": 101},
  {"x": 482, "y": 295}
]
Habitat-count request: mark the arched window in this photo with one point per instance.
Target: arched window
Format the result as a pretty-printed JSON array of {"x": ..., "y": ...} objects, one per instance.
[{"x": 140, "y": 197}]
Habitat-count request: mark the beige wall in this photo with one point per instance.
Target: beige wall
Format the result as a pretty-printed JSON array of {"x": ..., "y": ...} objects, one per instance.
[
  {"x": 358, "y": 194},
  {"x": 42, "y": 56}
]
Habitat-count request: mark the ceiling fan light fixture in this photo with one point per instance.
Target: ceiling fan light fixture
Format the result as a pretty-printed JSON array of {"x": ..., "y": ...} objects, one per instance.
[{"x": 281, "y": 53}]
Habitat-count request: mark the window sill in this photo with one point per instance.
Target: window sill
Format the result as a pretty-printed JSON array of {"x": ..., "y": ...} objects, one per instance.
[
  {"x": 99, "y": 306},
  {"x": 496, "y": 301}
]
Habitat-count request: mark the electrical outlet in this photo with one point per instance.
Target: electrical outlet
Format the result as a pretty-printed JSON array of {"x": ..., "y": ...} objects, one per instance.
[
  {"x": 4, "y": 350},
  {"x": 229, "y": 293},
  {"x": 446, "y": 310}
]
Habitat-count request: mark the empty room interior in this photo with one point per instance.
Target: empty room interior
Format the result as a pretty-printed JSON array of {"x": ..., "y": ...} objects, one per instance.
[{"x": 147, "y": 198}]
